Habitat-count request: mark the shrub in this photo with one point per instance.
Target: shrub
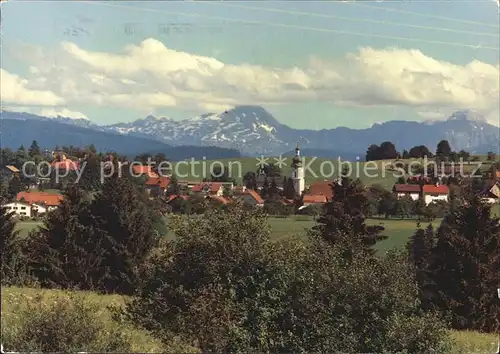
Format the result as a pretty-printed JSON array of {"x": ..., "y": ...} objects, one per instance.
[
  {"x": 66, "y": 323},
  {"x": 225, "y": 287}
]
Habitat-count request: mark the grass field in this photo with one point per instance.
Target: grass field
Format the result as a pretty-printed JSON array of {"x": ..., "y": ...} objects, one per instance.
[
  {"x": 398, "y": 231},
  {"x": 315, "y": 169},
  {"x": 464, "y": 341}
]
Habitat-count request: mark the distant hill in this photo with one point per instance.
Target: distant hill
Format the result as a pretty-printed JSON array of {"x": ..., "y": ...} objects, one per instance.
[
  {"x": 329, "y": 154},
  {"x": 48, "y": 133},
  {"x": 254, "y": 131}
]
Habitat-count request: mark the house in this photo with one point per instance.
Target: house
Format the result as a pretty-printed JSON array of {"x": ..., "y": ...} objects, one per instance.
[
  {"x": 10, "y": 170},
  {"x": 322, "y": 188},
  {"x": 144, "y": 170},
  {"x": 407, "y": 190},
  {"x": 432, "y": 193},
  {"x": 48, "y": 200},
  {"x": 157, "y": 185},
  {"x": 491, "y": 192},
  {"x": 212, "y": 188},
  {"x": 66, "y": 164},
  {"x": 19, "y": 208},
  {"x": 252, "y": 197},
  {"x": 239, "y": 189},
  {"x": 219, "y": 199},
  {"x": 309, "y": 199}
]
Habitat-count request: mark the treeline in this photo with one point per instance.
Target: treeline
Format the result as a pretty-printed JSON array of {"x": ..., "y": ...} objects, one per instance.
[
  {"x": 222, "y": 284},
  {"x": 387, "y": 151}
]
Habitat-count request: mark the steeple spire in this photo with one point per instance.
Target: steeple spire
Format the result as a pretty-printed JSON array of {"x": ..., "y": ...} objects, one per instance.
[{"x": 297, "y": 149}]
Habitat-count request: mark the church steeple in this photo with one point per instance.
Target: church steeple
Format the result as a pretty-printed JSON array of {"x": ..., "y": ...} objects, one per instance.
[
  {"x": 296, "y": 159},
  {"x": 298, "y": 173}
]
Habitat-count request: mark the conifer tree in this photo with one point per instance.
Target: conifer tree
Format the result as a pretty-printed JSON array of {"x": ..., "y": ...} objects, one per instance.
[
  {"x": 419, "y": 252},
  {"x": 66, "y": 252},
  {"x": 34, "y": 149},
  {"x": 15, "y": 186},
  {"x": 465, "y": 264},
  {"x": 125, "y": 227},
  {"x": 9, "y": 247},
  {"x": 343, "y": 217},
  {"x": 173, "y": 186}
]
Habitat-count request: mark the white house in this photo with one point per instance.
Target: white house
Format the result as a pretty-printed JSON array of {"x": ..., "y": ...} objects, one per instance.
[
  {"x": 19, "y": 208},
  {"x": 252, "y": 197},
  {"x": 407, "y": 190},
  {"x": 38, "y": 209},
  {"x": 433, "y": 193}
]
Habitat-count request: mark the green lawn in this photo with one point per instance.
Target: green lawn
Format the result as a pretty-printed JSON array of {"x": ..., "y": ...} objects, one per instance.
[
  {"x": 465, "y": 342},
  {"x": 24, "y": 227},
  {"x": 373, "y": 172},
  {"x": 398, "y": 231}
]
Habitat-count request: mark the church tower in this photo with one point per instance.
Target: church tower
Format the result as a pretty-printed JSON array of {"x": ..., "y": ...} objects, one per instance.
[{"x": 298, "y": 173}]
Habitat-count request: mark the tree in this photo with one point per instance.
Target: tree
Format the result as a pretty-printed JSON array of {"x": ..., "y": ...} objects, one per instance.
[
  {"x": 288, "y": 188},
  {"x": 15, "y": 186},
  {"x": 419, "y": 252},
  {"x": 491, "y": 156},
  {"x": 273, "y": 191},
  {"x": 250, "y": 180},
  {"x": 124, "y": 223},
  {"x": 173, "y": 186},
  {"x": 90, "y": 179},
  {"x": 9, "y": 245},
  {"x": 405, "y": 154},
  {"x": 277, "y": 296},
  {"x": 373, "y": 153},
  {"x": 344, "y": 216},
  {"x": 66, "y": 252},
  {"x": 388, "y": 151},
  {"x": 265, "y": 189},
  {"x": 220, "y": 174},
  {"x": 465, "y": 264},
  {"x": 34, "y": 149},
  {"x": 419, "y": 151},
  {"x": 443, "y": 150}
]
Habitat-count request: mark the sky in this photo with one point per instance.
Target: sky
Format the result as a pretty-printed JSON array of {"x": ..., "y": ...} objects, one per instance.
[{"x": 312, "y": 65}]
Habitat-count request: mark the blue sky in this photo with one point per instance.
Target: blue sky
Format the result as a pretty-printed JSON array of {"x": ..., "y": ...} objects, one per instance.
[{"x": 302, "y": 61}]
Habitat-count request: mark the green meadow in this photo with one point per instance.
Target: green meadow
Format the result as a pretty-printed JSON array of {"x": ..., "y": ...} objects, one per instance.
[{"x": 315, "y": 169}]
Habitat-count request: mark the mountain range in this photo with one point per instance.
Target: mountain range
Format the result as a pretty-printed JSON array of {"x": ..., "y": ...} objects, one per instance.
[{"x": 252, "y": 131}]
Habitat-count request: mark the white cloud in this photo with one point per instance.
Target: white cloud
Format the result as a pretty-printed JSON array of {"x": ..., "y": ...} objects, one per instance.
[
  {"x": 16, "y": 90},
  {"x": 150, "y": 76},
  {"x": 50, "y": 112}
]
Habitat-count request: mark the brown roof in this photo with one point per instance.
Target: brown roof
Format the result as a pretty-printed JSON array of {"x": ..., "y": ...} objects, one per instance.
[
  {"x": 12, "y": 169},
  {"x": 314, "y": 199},
  {"x": 144, "y": 170},
  {"x": 322, "y": 188},
  {"x": 175, "y": 196},
  {"x": 65, "y": 165},
  {"x": 255, "y": 196},
  {"x": 406, "y": 188},
  {"x": 213, "y": 187},
  {"x": 162, "y": 182},
  {"x": 48, "y": 199},
  {"x": 432, "y": 189}
]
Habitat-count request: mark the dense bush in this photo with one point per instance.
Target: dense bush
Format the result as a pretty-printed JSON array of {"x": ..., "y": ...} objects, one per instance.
[
  {"x": 225, "y": 287},
  {"x": 67, "y": 324}
]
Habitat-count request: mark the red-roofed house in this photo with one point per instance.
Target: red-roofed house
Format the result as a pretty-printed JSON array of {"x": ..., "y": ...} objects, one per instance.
[
  {"x": 252, "y": 197},
  {"x": 157, "y": 185},
  {"x": 407, "y": 190},
  {"x": 219, "y": 199},
  {"x": 48, "y": 200},
  {"x": 141, "y": 170},
  {"x": 66, "y": 164},
  {"x": 213, "y": 188},
  {"x": 322, "y": 188},
  {"x": 432, "y": 193},
  {"x": 314, "y": 199}
]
